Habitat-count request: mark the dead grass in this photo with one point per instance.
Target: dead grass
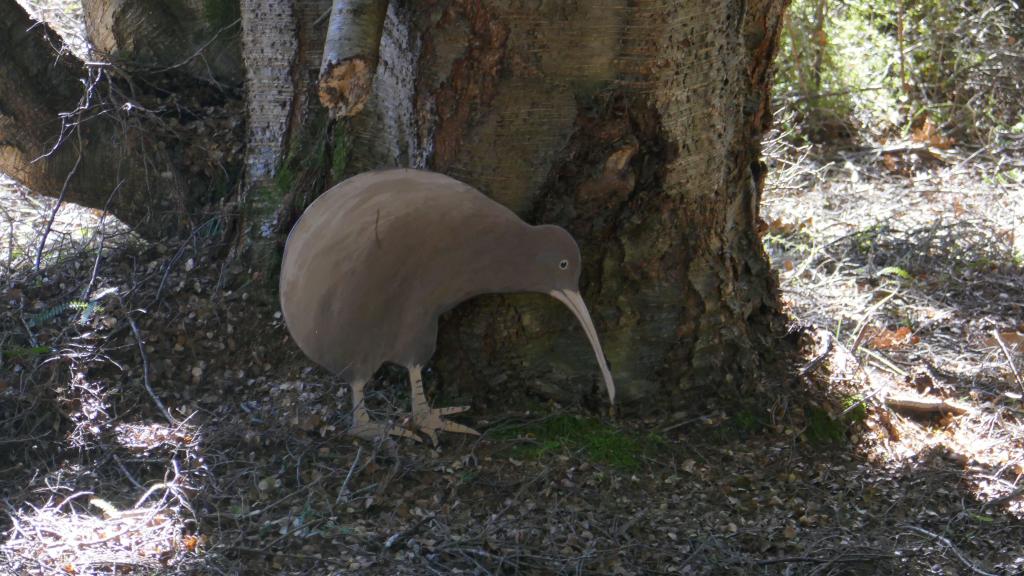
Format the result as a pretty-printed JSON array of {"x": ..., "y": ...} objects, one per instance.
[{"x": 57, "y": 537}]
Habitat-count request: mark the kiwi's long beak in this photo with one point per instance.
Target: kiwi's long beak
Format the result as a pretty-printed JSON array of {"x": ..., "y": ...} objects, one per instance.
[{"x": 574, "y": 301}]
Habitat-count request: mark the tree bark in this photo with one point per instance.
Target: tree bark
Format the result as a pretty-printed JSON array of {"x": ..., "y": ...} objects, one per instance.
[
  {"x": 111, "y": 138},
  {"x": 41, "y": 149},
  {"x": 350, "y": 54},
  {"x": 636, "y": 125},
  {"x": 198, "y": 36}
]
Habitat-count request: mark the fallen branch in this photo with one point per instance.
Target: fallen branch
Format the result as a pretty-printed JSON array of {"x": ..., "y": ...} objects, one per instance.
[
  {"x": 145, "y": 370},
  {"x": 920, "y": 405},
  {"x": 350, "y": 56},
  {"x": 952, "y": 547}
]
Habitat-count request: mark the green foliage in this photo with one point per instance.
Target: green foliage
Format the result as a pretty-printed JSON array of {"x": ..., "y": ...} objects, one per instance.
[
  {"x": 856, "y": 410},
  {"x": 886, "y": 68},
  {"x": 866, "y": 239},
  {"x": 832, "y": 65},
  {"x": 823, "y": 429},
  {"x": 895, "y": 271},
  {"x": 599, "y": 441},
  {"x": 748, "y": 421}
]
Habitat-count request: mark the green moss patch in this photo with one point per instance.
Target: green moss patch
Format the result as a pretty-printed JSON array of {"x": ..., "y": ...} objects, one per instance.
[
  {"x": 600, "y": 442},
  {"x": 822, "y": 429},
  {"x": 22, "y": 353}
]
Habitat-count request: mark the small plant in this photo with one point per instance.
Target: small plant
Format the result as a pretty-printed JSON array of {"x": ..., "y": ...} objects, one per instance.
[
  {"x": 86, "y": 310},
  {"x": 823, "y": 429},
  {"x": 895, "y": 271},
  {"x": 748, "y": 422},
  {"x": 865, "y": 240},
  {"x": 854, "y": 409}
]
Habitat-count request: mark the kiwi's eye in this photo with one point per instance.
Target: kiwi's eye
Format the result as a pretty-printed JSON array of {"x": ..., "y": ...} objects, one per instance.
[{"x": 564, "y": 264}]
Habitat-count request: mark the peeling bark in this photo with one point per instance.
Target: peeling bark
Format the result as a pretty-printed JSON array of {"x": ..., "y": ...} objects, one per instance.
[{"x": 350, "y": 54}]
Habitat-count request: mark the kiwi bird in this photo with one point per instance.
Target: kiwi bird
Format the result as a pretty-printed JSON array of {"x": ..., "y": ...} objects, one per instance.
[{"x": 373, "y": 263}]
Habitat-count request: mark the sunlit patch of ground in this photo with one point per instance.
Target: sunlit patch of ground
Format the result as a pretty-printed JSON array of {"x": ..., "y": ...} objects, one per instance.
[
  {"x": 912, "y": 258},
  {"x": 84, "y": 534},
  {"x": 60, "y": 328}
]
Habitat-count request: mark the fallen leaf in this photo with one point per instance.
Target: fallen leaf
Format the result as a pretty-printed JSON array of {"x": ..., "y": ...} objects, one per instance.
[
  {"x": 885, "y": 339},
  {"x": 1012, "y": 339},
  {"x": 928, "y": 133}
]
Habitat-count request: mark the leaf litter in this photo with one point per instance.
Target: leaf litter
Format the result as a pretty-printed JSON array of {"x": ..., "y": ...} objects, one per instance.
[{"x": 242, "y": 466}]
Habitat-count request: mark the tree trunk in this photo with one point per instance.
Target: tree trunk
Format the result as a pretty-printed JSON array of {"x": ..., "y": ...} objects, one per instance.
[
  {"x": 116, "y": 136},
  {"x": 197, "y": 36},
  {"x": 636, "y": 125},
  {"x": 34, "y": 90}
]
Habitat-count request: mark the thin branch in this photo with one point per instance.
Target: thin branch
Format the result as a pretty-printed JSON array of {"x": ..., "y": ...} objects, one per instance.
[
  {"x": 145, "y": 369},
  {"x": 1002, "y": 499},
  {"x": 952, "y": 547},
  {"x": 202, "y": 48},
  {"x": 1009, "y": 359},
  {"x": 103, "y": 239},
  {"x": 60, "y": 201},
  {"x": 344, "y": 485}
]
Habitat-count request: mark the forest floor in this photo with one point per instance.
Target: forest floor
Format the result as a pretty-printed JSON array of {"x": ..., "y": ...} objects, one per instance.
[{"x": 156, "y": 418}]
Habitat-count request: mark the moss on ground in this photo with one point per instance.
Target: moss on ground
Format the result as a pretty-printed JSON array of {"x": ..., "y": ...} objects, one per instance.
[
  {"x": 22, "y": 353},
  {"x": 600, "y": 442},
  {"x": 823, "y": 429}
]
